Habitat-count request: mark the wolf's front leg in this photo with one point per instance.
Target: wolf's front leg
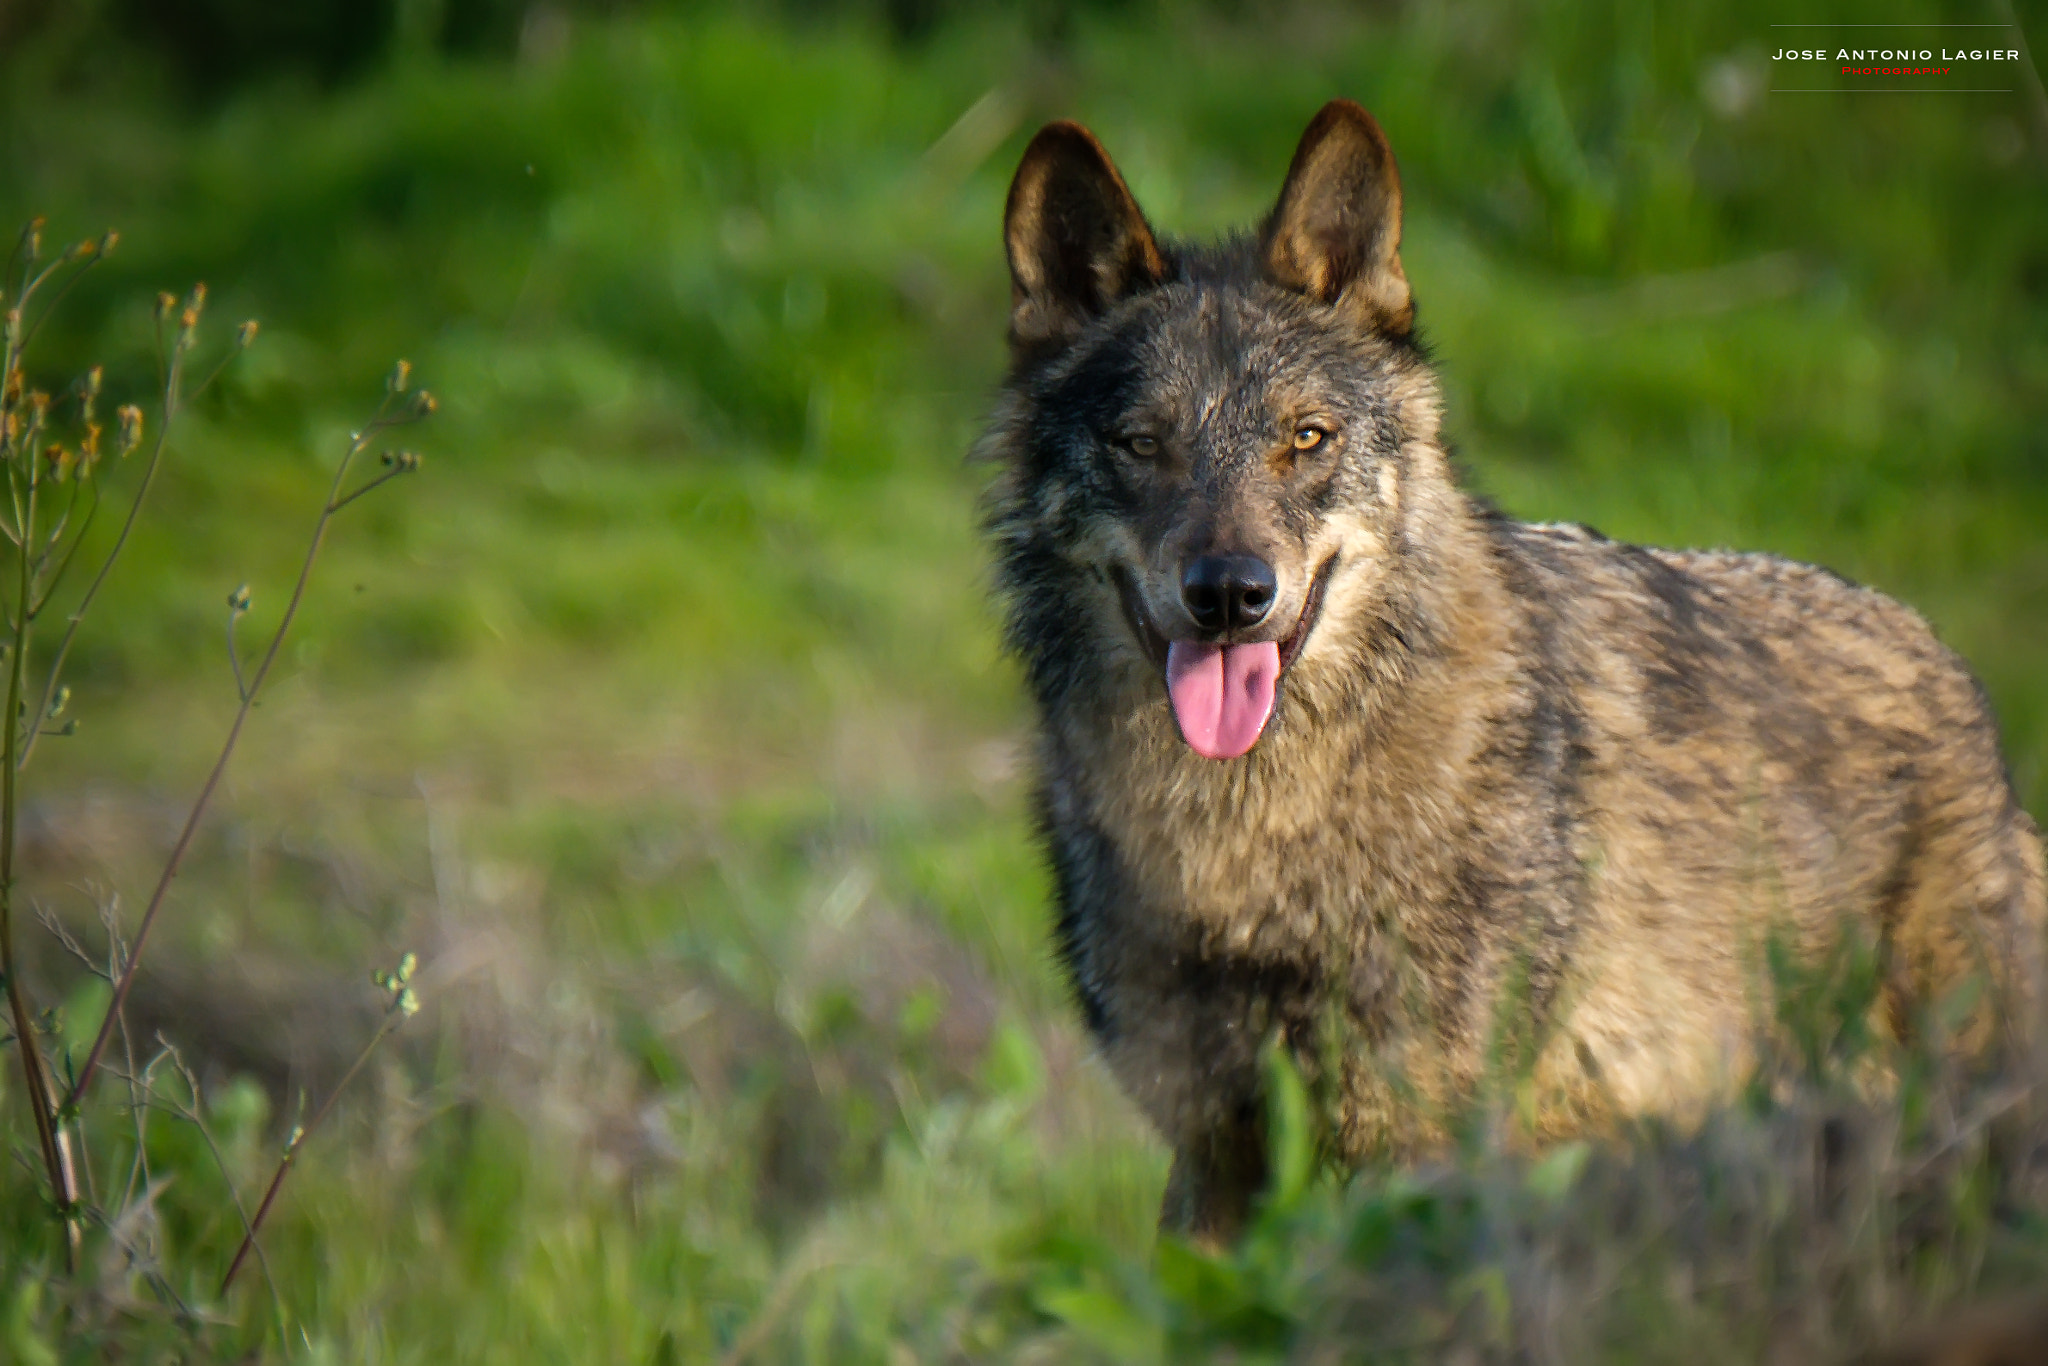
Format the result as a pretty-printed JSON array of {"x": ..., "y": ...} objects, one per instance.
[{"x": 1214, "y": 1183}]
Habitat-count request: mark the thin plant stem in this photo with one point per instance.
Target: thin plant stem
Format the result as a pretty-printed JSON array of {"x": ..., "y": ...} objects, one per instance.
[
  {"x": 23, "y": 255},
  {"x": 333, "y": 504},
  {"x": 139, "y": 1258},
  {"x": 378, "y": 482},
  {"x": 85, "y": 263},
  {"x": 235, "y": 655},
  {"x": 54, "y": 537},
  {"x": 138, "y": 1114},
  {"x": 55, "y": 1155},
  {"x": 92, "y": 511},
  {"x": 151, "y": 1101},
  {"x": 197, "y": 1120},
  {"x": 173, "y": 375},
  {"x": 14, "y": 495},
  {"x": 392, "y": 1015}
]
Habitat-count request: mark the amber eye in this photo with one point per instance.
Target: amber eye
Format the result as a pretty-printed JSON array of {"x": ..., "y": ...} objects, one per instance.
[
  {"x": 1144, "y": 447},
  {"x": 1308, "y": 438}
]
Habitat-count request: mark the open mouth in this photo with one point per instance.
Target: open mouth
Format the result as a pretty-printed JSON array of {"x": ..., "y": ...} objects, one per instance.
[
  {"x": 1311, "y": 612},
  {"x": 1223, "y": 693}
]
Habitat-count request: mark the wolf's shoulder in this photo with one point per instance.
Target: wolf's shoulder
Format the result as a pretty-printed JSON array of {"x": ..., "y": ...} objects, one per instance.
[
  {"x": 1759, "y": 586},
  {"x": 1719, "y": 609},
  {"x": 1784, "y": 597}
]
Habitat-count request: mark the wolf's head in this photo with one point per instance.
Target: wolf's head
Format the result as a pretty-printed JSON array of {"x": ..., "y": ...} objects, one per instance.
[{"x": 1203, "y": 446}]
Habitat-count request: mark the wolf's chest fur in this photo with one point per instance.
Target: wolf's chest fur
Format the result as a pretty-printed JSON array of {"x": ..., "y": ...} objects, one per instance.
[
  {"x": 1338, "y": 811},
  {"x": 1474, "y": 790}
]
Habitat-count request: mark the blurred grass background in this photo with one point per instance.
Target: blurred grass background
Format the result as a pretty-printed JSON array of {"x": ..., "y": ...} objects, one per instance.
[{"x": 663, "y": 714}]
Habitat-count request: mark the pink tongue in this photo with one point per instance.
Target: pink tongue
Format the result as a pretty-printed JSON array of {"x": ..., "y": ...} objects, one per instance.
[{"x": 1222, "y": 694}]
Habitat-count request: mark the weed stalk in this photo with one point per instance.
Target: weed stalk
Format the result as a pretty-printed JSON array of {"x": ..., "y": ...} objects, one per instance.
[
  {"x": 386, "y": 417},
  {"x": 400, "y": 1003},
  {"x": 40, "y": 520}
]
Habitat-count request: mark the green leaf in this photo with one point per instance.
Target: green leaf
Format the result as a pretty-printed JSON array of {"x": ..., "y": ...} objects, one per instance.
[
  {"x": 1291, "y": 1139},
  {"x": 1013, "y": 1067},
  {"x": 1552, "y": 1179},
  {"x": 1105, "y": 1322},
  {"x": 1195, "y": 1280},
  {"x": 1486, "y": 1287},
  {"x": 25, "y": 1344}
]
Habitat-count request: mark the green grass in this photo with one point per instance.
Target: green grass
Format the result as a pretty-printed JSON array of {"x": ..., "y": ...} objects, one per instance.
[{"x": 663, "y": 713}]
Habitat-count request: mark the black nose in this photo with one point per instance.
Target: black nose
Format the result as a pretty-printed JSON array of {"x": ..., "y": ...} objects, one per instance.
[{"x": 1228, "y": 592}]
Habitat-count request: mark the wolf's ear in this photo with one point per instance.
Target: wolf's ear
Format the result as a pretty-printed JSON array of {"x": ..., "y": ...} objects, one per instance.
[
  {"x": 1336, "y": 232},
  {"x": 1076, "y": 239}
]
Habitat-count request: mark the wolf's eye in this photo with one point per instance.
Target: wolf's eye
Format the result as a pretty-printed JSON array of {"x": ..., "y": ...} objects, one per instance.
[
  {"x": 1144, "y": 447},
  {"x": 1308, "y": 438}
]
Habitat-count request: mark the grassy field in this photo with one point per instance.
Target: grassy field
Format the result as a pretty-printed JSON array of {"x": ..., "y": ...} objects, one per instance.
[{"x": 662, "y": 714}]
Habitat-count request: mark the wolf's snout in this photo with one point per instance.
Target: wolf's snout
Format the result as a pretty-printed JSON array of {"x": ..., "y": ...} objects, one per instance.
[{"x": 1228, "y": 592}]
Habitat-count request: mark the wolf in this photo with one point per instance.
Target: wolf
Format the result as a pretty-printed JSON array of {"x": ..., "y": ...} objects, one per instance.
[{"x": 1333, "y": 757}]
